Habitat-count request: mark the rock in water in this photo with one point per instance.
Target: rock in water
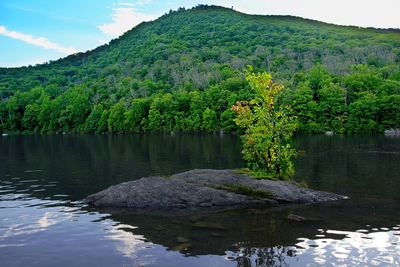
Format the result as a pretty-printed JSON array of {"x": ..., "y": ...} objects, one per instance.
[
  {"x": 204, "y": 189},
  {"x": 162, "y": 193},
  {"x": 281, "y": 191}
]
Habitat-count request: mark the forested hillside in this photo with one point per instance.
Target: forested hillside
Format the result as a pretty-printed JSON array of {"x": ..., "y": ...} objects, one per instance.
[{"x": 184, "y": 71}]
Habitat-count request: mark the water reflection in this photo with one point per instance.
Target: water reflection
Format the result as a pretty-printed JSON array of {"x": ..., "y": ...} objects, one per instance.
[
  {"x": 359, "y": 166},
  {"x": 44, "y": 223},
  {"x": 358, "y": 248},
  {"x": 81, "y": 165}
]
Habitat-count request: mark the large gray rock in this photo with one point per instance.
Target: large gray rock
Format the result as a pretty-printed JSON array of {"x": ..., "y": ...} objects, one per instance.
[
  {"x": 281, "y": 191},
  {"x": 198, "y": 189}
]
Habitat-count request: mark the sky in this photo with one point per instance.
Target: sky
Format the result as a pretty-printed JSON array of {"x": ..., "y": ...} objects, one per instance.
[{"x": 37, "y": 31}]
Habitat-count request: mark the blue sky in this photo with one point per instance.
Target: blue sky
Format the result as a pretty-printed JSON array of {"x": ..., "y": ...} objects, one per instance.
[{"x": 35, "y": 31}]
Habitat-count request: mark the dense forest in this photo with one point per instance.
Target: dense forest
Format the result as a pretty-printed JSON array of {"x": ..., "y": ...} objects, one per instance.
[{"x": 184, "y": 71}]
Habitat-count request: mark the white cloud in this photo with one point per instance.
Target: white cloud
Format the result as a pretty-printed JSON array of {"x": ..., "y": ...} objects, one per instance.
[
  {"x": 365, "y": 13},
  {"x": 143, "y": 2},
  {"x": 126, "y": 4},
  {"x": 38, "y": 41},
  {"x": 125, "y": 16}
]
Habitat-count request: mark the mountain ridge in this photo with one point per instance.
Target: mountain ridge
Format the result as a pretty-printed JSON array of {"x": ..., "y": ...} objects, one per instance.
[{"x": 203, "y": 7}]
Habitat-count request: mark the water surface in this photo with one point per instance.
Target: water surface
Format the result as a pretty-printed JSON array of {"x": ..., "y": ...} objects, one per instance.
[{"x": 44, "y": 223}]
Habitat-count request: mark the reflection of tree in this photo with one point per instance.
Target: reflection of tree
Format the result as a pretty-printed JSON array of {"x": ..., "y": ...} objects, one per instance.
[
  {"x": 82, "y": 165},
  {"x": 347, "y": 164},
  {"x": 268, "y": 256}
]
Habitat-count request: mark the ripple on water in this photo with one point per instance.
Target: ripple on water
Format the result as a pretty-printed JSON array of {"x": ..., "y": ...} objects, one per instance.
[
  {"x": 50, "y": 185},
  {"x": 28, "y": 181},
  {"x": 358, "y": 248},
  {"x": 32, "y": 171}
]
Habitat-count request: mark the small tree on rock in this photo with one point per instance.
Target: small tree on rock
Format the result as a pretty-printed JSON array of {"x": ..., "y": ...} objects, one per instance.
[{"x": 267, "y": 127}]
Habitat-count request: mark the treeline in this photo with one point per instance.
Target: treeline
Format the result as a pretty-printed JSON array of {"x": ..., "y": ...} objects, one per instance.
[
  {"x": 46, "y": 109},
  {"x": 183, "y": 72},
  {"x": 367, "y": 100}
]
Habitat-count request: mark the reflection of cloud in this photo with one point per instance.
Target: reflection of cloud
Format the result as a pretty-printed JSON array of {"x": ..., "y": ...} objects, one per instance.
[
  {"x": 32, "y": 220},
  {"x": 128, "y": 243},
  {"x": 46, "y": 220},
  {"x": 124, "y": 17},
  {"x": 38, "y": 41},
  {"x": 357, "y": 248}
]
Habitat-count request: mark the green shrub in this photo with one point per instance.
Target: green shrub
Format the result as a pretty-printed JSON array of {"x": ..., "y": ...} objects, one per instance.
[{"x": 267, "y": 128}]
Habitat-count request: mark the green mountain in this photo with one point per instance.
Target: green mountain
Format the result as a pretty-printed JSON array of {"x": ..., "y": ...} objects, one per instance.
[{"x": 184, "y": 71}]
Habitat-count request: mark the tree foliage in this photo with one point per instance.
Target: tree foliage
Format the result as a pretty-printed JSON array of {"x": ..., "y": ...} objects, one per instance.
[
  {"x": 268, "y": 127},
  {"x": 184, "y": 71}
]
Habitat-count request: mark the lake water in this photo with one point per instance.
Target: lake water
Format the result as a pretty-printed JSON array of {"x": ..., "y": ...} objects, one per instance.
[{"x": 44, "y": 223}]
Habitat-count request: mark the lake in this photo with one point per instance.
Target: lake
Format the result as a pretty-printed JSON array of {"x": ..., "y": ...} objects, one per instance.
[{"x": 43, "y": 221}]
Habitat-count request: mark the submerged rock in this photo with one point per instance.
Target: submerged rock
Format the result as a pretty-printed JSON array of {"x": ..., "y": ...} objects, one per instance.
[
  {"x": 296, "y": 218},
  {"x": 181, "y": 240},
  {"x": 209, "y": 226},
  {"x": 204, "y": 189},
  {"x": 182, "y": 247}
]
